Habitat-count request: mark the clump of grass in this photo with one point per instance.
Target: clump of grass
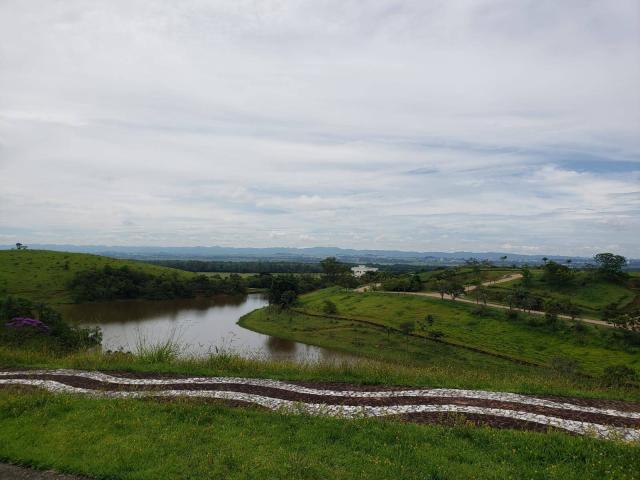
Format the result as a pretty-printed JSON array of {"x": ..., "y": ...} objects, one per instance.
[{"x": 162, "y": 351}]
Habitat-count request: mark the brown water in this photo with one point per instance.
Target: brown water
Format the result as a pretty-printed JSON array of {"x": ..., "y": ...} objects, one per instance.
[{"x": 202, "y": 325}]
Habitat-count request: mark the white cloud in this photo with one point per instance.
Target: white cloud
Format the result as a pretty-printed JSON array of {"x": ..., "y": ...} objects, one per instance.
[{"x": 419, "y": 125}]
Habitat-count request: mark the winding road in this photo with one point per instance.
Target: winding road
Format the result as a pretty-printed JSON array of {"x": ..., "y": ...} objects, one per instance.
[{"x": 471, "y": 288}]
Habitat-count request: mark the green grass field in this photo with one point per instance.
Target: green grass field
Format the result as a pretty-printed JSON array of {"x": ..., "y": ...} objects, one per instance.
[
  {"x": 590, "y": 295},
  {"x": 434, "y": 364},
  {"x": 527, "y": 339},
  {"x": 466, "y": 275},
  {"x": 42, "y": 275},
  {"x": 189, "y": 439}
]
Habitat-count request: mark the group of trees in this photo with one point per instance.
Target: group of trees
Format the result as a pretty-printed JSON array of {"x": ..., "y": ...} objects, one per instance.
[
  {"x": 403, "y": 283},
  {"x": 283, "y": 290},
  {"x": 111, "y": 283}
]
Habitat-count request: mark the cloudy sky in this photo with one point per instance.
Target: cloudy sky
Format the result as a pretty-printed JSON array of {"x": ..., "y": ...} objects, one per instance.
[{"x": 415, "y": 125}]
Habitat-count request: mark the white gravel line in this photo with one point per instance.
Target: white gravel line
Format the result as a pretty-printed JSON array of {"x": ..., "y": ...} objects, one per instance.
[
  {"x": 347, "y": 411},
  {"x": 433, "y": 393}
]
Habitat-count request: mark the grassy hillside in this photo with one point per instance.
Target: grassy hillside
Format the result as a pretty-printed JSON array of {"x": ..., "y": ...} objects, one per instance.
[
  {"x": 588, "y": 293},
  {"x": 42, "y": 275}
]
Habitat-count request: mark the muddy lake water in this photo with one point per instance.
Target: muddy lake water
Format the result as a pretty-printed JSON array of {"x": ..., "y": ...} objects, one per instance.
[{"x": 202, "y": 325}]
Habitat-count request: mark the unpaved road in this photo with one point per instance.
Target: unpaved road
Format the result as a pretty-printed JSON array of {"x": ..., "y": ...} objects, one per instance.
[{"x": 470, "y": 288}]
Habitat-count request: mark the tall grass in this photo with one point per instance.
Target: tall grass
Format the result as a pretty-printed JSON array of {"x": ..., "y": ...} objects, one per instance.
[{"x": 160, "y": 351}]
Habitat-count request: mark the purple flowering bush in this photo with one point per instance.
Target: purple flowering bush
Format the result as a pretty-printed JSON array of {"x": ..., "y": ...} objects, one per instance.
[{"x": 27, "y": 322}]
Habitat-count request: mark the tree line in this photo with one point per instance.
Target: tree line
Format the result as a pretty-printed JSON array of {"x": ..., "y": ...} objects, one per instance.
[{"x": 121, "y": 283}]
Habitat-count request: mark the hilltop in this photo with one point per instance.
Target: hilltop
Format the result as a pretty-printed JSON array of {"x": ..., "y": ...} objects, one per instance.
[{"x": 43, "y": 275}]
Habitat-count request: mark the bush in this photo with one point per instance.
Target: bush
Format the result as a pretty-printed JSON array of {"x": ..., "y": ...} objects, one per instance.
[
  {"x": 25, "y": 323},
  {"x": 329, "y": 307},
  {"x": 619, "y": 375}
]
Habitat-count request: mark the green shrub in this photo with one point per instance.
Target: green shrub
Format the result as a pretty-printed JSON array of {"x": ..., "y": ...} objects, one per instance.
[
  {"x": 60, "y": 335},
  {"x": 329, "y": 307}
]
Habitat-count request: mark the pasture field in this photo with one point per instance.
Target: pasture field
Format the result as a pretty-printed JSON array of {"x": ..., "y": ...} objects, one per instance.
[
  {"x": 527, "y": 338},
  {"x": 43, "y": 275},
  {"x": 150, "y": 439},
  {"x": 466, "y": 275},
  {"x": 589, "y": 294}
]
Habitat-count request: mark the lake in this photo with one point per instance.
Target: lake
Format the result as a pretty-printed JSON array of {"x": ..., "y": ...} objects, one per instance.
[{"x": 202, "y": 325}]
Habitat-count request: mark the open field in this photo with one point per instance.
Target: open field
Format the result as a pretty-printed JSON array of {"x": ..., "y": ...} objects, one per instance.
[
  {"x": 148, "y": 439},
  {"x": 467, "y": 277},
  {"x": 590, "y": 295},
  {"x": 42, "y": 275},
  {"x": 528, "y": 338}
]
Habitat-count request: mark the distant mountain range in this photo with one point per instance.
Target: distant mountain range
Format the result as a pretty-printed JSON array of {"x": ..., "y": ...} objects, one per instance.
[{"x": 312, "y": 254}]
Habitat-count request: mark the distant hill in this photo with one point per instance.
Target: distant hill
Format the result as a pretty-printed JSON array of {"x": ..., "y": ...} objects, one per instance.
[
  {"x": 312, "y": 254},
  {"x": 42, "y": 275}
]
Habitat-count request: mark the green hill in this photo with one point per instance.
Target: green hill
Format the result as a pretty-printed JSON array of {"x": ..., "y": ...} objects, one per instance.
[
  {"x": 587, "y": 292},
  {"x": 43, "y": 275}
]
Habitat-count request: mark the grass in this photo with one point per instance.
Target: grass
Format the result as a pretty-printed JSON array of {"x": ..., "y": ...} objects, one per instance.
[
  {"x": 43, "y": 275},
  {"x": 529, "y": 339},
  {"x": 467, "y": 276},
  {"x": 431, "y": 363},
  {"x": 417, "y": 366},
  {"x": 189, "y": 439},
  {"x": 589, "y": 294}
]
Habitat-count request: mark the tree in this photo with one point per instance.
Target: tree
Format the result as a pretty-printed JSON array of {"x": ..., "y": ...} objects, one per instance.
[
  {"x": 557, "y": 274},
  {"x": 481, "y": 294},
  {"x": 441, "y": 287},
  {"x": 454, "y": 289},
  {"x": 503, "y": 259},
  {"x": 526, "y": 276},
  {"x": 283, "y": 291},
  {"x": 333, "y": 269},
  {"x": 610, "y": 265}
]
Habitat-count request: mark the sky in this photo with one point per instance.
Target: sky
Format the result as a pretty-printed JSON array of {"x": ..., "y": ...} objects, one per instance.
[{"x": 477, "y": 125}]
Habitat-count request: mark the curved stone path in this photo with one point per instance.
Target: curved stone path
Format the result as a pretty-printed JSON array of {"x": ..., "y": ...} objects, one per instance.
[{"x": 599, "y": 418}]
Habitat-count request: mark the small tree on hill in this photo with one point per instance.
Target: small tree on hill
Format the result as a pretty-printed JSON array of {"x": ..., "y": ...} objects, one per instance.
[
  {"x": 454, "y": 289},
  {"x": 283, "y": 291},
  {"x": 610, "y": 265}
]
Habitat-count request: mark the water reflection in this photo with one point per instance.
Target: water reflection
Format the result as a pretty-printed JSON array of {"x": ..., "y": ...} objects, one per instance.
[{"x": 204, "y": 325}]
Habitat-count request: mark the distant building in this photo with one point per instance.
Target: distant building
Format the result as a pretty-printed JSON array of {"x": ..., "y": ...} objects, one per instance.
[{"x": 360, "y": 270}]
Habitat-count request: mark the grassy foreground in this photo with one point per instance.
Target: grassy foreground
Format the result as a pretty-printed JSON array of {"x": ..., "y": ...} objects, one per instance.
[
  {"x": 182, "y": 439},
  {"x": 43, "y": 275}
]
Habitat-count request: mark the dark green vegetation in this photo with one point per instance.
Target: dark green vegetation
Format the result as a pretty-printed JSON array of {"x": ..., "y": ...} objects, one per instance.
[
  {"x": 109, "y": 283},
  {"x": 146, "y": 439},
  {"x": 50, "y": 332}
]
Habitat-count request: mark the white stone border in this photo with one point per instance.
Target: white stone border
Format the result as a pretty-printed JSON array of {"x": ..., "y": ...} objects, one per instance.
[
  {"x": 347, "y": 411},
  {"x": 258, "y": 382}
]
